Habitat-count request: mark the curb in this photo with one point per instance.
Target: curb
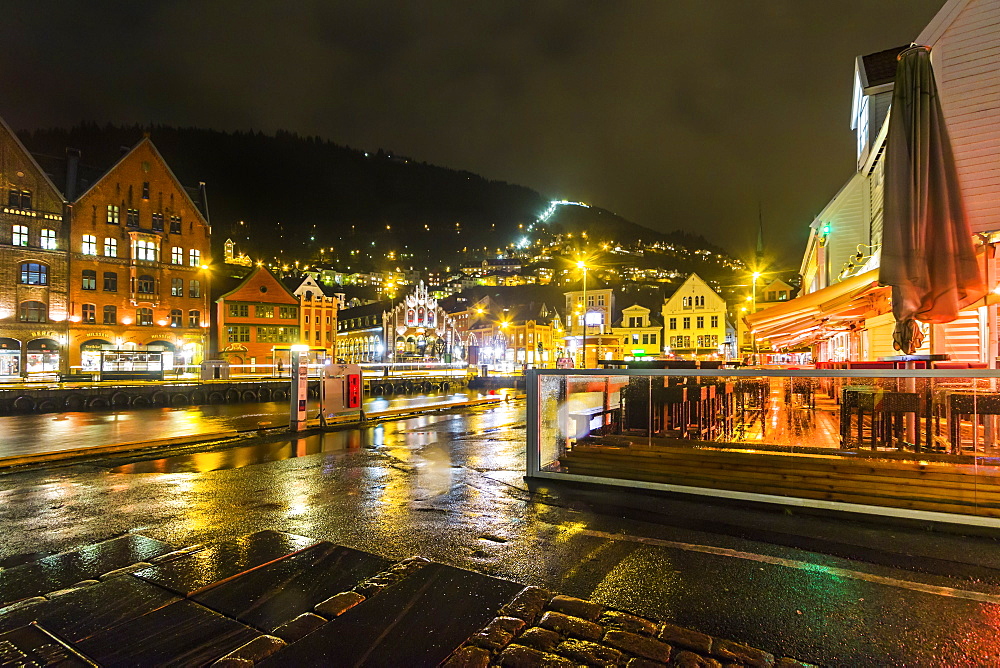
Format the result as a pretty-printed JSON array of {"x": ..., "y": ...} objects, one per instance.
[{"x": 46, "y": 457}]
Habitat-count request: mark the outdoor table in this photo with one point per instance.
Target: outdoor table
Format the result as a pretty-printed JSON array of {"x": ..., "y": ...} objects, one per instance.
[
  {"x": 952, "y": 404},
  {"x": 886, "y": 410}
]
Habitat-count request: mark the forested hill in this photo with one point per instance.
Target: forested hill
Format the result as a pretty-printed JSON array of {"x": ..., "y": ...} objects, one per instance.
[{"x": 297, "y": 195}]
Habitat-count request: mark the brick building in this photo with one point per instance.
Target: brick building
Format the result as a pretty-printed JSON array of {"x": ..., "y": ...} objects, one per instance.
[
  {"x": 33, "y": 265},
  {"x": 139, "y": 256},
  {"x": 258, "y": 321}
]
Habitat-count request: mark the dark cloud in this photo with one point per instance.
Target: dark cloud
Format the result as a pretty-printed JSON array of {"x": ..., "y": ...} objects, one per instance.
[{"x": 674, "y": 114}]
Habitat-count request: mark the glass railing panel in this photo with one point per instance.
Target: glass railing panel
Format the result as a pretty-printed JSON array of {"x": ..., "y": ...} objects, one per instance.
[{"x": 920, "y": 441}]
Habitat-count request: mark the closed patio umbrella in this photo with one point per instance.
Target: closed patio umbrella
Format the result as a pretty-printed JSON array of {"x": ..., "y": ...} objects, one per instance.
[{"x": 928, "y": 256}]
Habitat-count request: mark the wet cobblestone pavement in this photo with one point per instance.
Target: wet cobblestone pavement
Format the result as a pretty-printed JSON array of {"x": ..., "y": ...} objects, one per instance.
[{"x": 277, "y": 599}]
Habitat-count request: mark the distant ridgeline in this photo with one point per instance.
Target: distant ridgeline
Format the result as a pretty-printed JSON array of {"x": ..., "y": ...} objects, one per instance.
[{"x": 298, "y": 196}]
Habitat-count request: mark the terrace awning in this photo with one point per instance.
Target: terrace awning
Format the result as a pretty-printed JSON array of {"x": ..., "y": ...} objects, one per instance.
[{"x": 819, "y": 314}]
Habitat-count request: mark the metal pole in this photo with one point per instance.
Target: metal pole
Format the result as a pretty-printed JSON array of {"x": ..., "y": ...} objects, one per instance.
[{"x": 584, "y": 363}]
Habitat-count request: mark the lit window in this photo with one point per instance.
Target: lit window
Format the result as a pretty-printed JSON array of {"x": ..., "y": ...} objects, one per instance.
[
  {"x": 89, "y": 246},
  {"x": 194, "y": 289},
  {"x": 114, "y": 215},
  {"x": 132, "y": 217},
  {"x": 20, "y": 237},
  {"x": 89, "y": 314},
  {"x": 194, "y": 318},
  {"x": 110, "y": 281},
  {"x": 177, "y": 255},
  {"x": 48, "y": 239},
  {"x": 176, "y": 287},
  {"x": 110, "y": 247},
  {"x": 175, "y": 224},
  {"x": 157, "y": 222},
  {"x": 110, "y": 315},
  {"x": 145, "y": 250},
  {"x": 34, "y": 273},
  {"x": 194, "y": 257},
  {"x": 89, "y": 280},
  {"x": 176, "y": 318},
  {"x": 145, "y": 284},
  {"x": 144, "y": 317}
]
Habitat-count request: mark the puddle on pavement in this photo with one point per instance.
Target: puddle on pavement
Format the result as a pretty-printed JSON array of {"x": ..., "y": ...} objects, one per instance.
[{"x": 233, "y": 458}]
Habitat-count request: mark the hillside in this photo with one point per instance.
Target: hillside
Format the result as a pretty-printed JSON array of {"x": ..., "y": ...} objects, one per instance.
[{"x": 307, "y": 198}]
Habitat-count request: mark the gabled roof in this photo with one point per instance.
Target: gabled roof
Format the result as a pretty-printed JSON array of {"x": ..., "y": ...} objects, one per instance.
[
  {"x": 879, "y": 68},
  {"x": 249, "y": 277},
  {"x": 941, "y": 22},
  {"x": 31, "y": 159},
  {"x": 195, "y": 196}
]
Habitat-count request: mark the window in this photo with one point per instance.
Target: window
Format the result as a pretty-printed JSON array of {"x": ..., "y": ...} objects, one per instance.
[
  {"x": 110, "y": 281},
  {"x": 686, "y": 302},
  {"x": 194, "y": 318},
  {"x": 687, "y": 323},
  {"x": 89, "y": 314},
  {"x": 110, "y": 247},
  {"x": 673, "y": 323},
  {"x": 89, "y": 280},
  {"x": 782, "y": 295},
  {"x": 144, "y": 317},
  {"x": 110, "y": 315},
  {"x": 157, "y": 222},
  {"x": 34, "y": 273},
  {"x": 33, "y": 312},
  {"x": 89, "y": 246},
  {"x": 145, "y": 189},
  {"x": 145, "y": 284},
  {"x": 48, "y": 239},
  {"x": 176, "y": 287},
  {"x": 237, "y": 333},
  {"x": 652, "y": 339},
  {"x": 590, "y": 300},
  {"x": 645, "y": 339},
  {"x": 177, "y": 255},
  {"x": 145, "y": 250},
  {"x": 132, "y": 217},
  {"x": 700, "y": 322},
  {"x": 715, "y": 321},
  {"x": 307, "y": 320},
  {"x": 176, "y": 318},
  {"x": 600, "y": 300},
  {"x": 194, "y": 289},
  {"x": 700, "y": 300},
  {"x": 264, "y": 311},
  {"x": 194, "y": 257},
  {"x": 175, "y": 224},
  {"x": 288, "y": 312},
  {"x": 113, "y": 215},
  {"x": 20, "y": 236},
  {"x": 770, "y": 295},
  {"x": 20, "y": 199},
  {"x": 277, "y": 334},
  {"x": 239, "y": 310}
]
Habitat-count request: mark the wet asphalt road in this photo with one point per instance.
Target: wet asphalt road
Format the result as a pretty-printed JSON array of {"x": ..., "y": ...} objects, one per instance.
[{"x": 449, "y": 487}]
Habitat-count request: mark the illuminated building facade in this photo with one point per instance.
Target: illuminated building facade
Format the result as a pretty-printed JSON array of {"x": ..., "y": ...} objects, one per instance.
[{"x": 258, "y": 321}]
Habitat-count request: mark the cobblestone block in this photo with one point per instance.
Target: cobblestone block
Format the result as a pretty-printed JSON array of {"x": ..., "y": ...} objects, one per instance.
[
  {"x": 468, "y": 657},
  {"x": 299, "y": 627},
  {"x": 688, "y": 659},
  {"x": 527, "y": 605},
  {"x": 622, "y": 621},
  {"x": 256, "y": 650},
  {"x": 338, "y": 604},
  {"x": 176, "y": 554},
  {"x": 589, "y": 653},
  {"x": 22, "y": 603},
  {"x": 637, "y": 662},
  {"x": 647, "y": 648},
  {"x": 686, "y": 638},
  {"x": 735, "y": 652},
  {"x": 518, "y": 656},
  {"x": 226, "y": 662},
  {"x": 510, "y": 624},
  {"x": 540, "y": 639},
  {"x": 571, "y": 626},
  {"x": 576, "y": 607},
  {"x": 492, "y": 638}
]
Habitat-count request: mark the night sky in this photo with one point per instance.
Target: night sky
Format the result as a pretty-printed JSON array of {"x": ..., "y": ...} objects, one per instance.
[{"x": 676, "y": 115}]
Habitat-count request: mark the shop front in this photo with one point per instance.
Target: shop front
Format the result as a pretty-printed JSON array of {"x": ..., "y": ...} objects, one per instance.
[
  {"x": 10, "y": 359},
  {"x": 42, "y": 356}
]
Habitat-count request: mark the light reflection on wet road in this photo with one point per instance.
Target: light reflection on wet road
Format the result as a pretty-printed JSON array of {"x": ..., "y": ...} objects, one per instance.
[
  {"x": 448, "y": 486},
  {"x": 25, "y": 434}
]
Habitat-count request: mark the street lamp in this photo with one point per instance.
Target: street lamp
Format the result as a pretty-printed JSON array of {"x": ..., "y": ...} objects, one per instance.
[
  {"x": 583, "y": 265},
  {"x": 753, "y": 309}
]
